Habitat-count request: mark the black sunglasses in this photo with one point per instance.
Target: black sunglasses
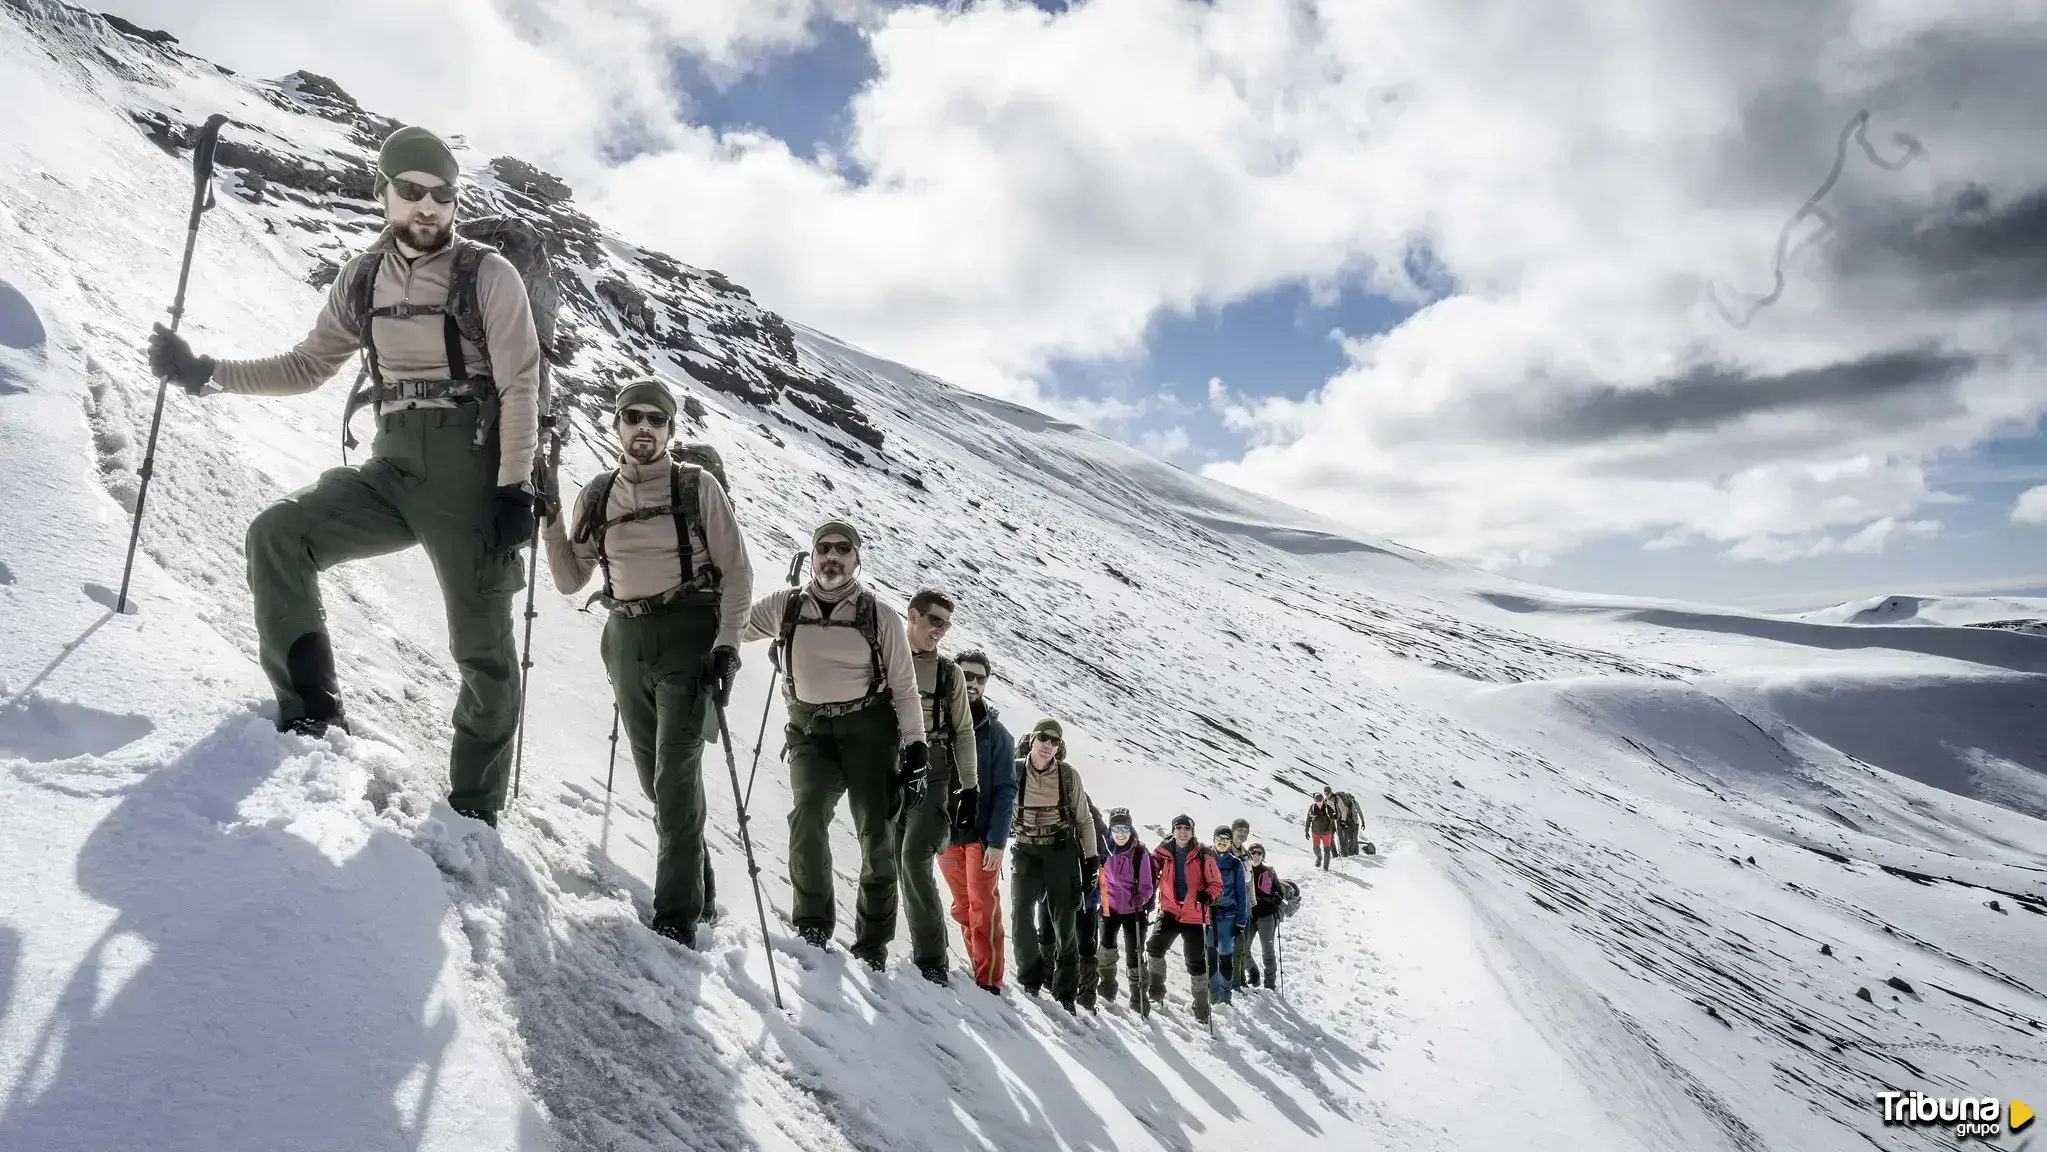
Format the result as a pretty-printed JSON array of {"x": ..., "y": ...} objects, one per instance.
[
  {"x": 409, "y": 191},
  {"x": 938, "y": 623},
  {"x": 973, "y": 677},
  {"x": 838, "y": 547},
  {"x": 1121, "y": 830},
  {"x": 642, "y": 416}
]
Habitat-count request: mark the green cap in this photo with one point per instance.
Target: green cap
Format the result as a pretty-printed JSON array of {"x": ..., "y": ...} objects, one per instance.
[
  {"x": 835, "y": 528},
  {"x": 645, "y": 391},
  {"x": 415, "y": 149},
  {"x": 1048, "y": 727}
]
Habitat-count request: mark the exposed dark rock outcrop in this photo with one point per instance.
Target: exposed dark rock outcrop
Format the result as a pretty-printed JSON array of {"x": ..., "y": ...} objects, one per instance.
[{"x": 697, "y": 325}]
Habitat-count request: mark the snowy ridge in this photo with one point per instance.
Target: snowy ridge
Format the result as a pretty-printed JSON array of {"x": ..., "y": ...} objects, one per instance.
[
  {"x": 2015, "y": 613},
  {"x": 1615, "y": 835}
]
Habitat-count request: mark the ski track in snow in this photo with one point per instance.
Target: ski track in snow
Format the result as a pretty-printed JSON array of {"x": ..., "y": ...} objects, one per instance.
[{"x": 1614, "y": 836}]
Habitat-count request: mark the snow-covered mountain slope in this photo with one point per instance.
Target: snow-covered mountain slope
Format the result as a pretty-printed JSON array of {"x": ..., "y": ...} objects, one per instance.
[{"x": 1637, "y": 858}]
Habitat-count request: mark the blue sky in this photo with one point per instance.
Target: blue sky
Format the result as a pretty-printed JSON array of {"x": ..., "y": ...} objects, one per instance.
[{"x": 1278, "y": 342}]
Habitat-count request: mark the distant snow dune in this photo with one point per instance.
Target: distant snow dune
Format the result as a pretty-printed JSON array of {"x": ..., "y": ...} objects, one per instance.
[{"x": 1650, "y": 875}]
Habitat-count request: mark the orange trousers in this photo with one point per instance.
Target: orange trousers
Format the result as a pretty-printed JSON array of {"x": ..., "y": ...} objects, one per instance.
[{"x": 977, "y": 909}]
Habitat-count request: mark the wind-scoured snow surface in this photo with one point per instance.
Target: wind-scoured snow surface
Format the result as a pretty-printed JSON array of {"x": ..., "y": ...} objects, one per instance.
[{"x": 1614, "y": 836}]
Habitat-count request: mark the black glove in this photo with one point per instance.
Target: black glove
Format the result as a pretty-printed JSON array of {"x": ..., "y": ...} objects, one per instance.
[
  {"x": 724, "y": 669},
  {"x": 1088, "y": 871},
  {"x": 1201, "y": 896},
  {"x": 170, "y": 358},
  {"x": 913, "y": 786},
  {"x": 966, "y": 813},
  {"x": 511, "y": 517}
]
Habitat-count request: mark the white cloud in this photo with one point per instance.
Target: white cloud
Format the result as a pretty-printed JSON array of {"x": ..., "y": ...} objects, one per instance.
[
  {"x": 1869, "y": 540},
  {"x": 554, "y": 81},
  {"x": 1169, "y": 444},
  {"x": 1040, "y": 186},
  {"x": 2031, "y": 507}
]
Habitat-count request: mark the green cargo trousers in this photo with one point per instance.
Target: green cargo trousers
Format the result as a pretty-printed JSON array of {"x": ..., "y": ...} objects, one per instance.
[
  {"x": 657, "y": 665},
  {"x": 855, "y": 756},
  {"x": 426, "y": 483},
  {"x": 1052, "y": 871},
  {"x": 923, "y": 833}
]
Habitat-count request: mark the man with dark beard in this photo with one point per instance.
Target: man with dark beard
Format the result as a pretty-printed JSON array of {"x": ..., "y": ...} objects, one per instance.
[
  {"x": 457, "y": 425},
  {"x": 678, "y": 584},
  {"x": 855, "y": 729}
]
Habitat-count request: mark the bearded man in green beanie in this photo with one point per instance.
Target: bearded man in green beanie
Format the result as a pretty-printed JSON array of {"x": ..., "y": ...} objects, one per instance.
[
  {"x": 454, "y": 368},
  {"x": 855, "y": 729},
  {"x": 678, "y": 584}
]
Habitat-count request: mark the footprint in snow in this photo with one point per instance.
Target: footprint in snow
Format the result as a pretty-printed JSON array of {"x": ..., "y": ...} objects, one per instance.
[{"x": 44, "y": 731}]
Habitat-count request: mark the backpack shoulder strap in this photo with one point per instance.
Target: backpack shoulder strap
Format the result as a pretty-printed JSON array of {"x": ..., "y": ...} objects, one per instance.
[
  {"x": 362, "y": 301},
  {"x": 592, "y": 525},
  {"x": 941, "y": 707},
  {"x": 791, "y": 613},
  {"x": 590, "y": 515},
  {"x": 867, "y": 618},
  {"x": 682, "y": 500},
  {"x": 465, "y": 308}
]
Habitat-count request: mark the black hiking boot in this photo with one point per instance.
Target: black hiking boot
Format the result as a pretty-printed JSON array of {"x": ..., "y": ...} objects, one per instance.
[
  {"x": 989, "y": 988},
  {"x": 490, "y": 818},
  {"x": 875, "y": 960},
  {"x": 314, "y": 728},
  {"x": 1066, "y": 1002},
  {"x": 934, "y": 971},
  {"x": 816, "y": 936},
  {"x": 310, "y": 665},
  {"x": 677, "y": 933}
]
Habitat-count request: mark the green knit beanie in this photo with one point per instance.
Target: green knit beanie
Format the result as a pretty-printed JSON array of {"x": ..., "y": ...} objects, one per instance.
[
  {"x": 649, "y": 392},
  {"x": 835, "y": 528},
  {"x": 415, "y": 149}
]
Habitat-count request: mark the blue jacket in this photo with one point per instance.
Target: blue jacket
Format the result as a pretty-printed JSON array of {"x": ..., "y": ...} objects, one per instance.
[
  {"x": 1236, "y": 897},
  {"x": 996, "y": 787}
]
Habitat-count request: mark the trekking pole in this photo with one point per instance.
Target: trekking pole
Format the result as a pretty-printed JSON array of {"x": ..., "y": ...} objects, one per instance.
[
  {"x": 753, "y": 871},
  {"x": 775, "y": 654},
  {"x": 202, "y": 199},
  {"x": 604, "y": 841},
  {"x": 544, "y": 472}
]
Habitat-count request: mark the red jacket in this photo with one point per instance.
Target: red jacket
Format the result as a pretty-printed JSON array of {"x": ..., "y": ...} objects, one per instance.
[{"x": 1205, "y": 877}]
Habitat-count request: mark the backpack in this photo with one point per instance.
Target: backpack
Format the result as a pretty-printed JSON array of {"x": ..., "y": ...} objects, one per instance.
[
  {"x": 683, "y": 503},
  {"x": 1289, "y": 899},
  {"x": 1044, "y": 835},
  {"x": 865, "y": 617},
  {"x": 703, "y": 456},
  {"x": 462, "y": 314}
]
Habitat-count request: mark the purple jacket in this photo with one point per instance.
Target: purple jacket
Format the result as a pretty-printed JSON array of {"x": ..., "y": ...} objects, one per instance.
[{"x": 1126, "y": 880}]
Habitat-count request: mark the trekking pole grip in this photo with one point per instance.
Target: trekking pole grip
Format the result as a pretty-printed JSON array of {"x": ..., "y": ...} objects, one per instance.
[{"x": 203, "y": 147}]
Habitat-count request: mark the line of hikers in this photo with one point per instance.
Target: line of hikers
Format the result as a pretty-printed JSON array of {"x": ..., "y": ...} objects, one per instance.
[
  {"x": 1332, "y": 826},
  {"x": 451, "y": 332}
]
